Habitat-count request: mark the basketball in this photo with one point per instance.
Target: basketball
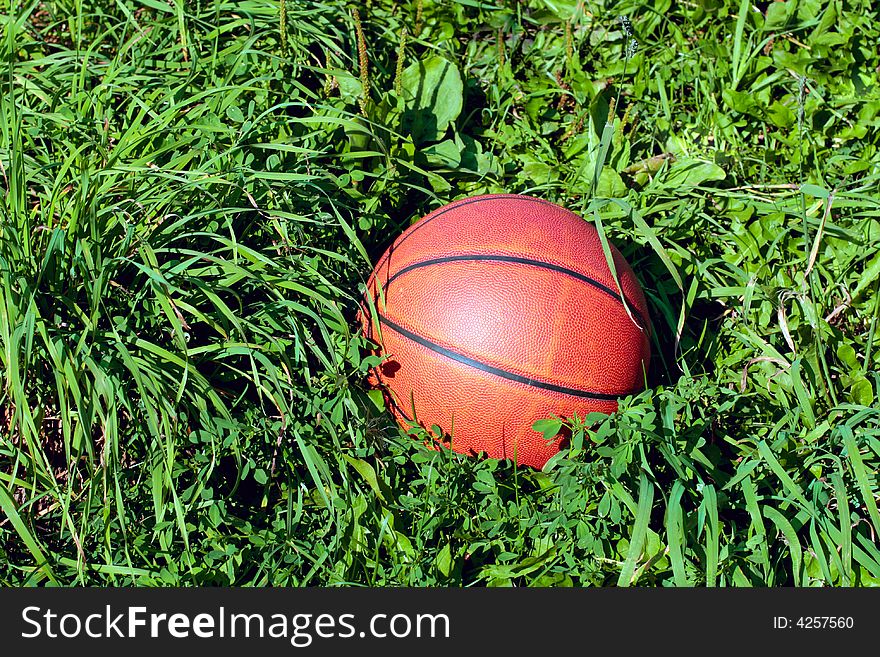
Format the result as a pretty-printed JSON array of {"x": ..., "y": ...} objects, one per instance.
[{"x": 496, "y": 311}]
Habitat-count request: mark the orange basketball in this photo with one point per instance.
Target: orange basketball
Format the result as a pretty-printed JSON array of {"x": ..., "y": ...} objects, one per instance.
[{"x": 496, "y": 311}]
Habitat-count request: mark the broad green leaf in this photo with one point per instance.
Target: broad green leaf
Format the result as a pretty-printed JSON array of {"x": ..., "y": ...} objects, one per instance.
[
  {"x": 741, "y": 102},
  {"x": 862, "y": 392},
  {"x": 610, "y": 184},
  {"x": 235, "y": 114},
  {"x": 687, "y": 172},
  {"x": 847, "y": 356},
  {"x": 868, "y": 276},
  {"x": 536, "y": 170},
  {"x": 550, "y": 428},
  {"x": 443, "y": 561},
  {"x": 377, "y": 398},
  {"x": 432, "y": 90},
  {"x": 445, "y": 154},
  {"x": 814, "y": 190},
  {"x": 777, "y": 15},
  {"x": 368, "y": 473}
]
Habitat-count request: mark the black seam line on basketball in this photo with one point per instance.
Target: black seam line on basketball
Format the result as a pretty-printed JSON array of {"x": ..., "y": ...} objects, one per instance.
[
  {"x": 497, "y": 371},
  {"x": 457, "y": 204},
  {"x": 520, "y": 261}
]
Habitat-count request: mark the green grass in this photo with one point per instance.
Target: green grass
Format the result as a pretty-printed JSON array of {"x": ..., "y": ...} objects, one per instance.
[{"x": 192, "y": 194}]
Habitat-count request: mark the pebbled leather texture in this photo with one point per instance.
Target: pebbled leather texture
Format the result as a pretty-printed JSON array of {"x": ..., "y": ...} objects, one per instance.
[{"x": 500, "y": 310}]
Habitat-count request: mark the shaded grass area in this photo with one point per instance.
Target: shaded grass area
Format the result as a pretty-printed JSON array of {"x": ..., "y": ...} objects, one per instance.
[{"x": 192, "y": 195}]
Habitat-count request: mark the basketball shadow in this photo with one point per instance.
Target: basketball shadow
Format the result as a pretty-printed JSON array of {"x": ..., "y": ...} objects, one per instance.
[{"x": 701, "y": 323}]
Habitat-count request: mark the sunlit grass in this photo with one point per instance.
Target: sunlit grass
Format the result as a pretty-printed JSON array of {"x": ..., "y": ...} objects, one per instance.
[{"x": 192, "y": 194}]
